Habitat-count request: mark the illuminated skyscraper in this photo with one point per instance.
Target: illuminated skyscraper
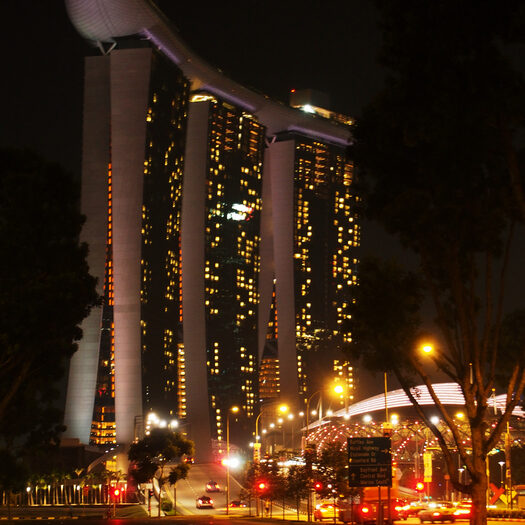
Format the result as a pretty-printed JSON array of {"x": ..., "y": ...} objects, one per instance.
[
  {"x": 313, "y": 255},
  {"x": 203, "y": 201}
]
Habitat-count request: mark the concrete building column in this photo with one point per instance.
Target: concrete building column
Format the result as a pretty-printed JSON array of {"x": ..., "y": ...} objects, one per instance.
[
  {"x": 279, "y": 166},
  {"x": 94, "y": 205},
  {"x": 193, "y": 299},
  {"x": 130, "y": 75}
]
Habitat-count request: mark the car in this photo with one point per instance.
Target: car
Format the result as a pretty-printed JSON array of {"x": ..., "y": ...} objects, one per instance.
[
  {"x": 212, "y": 486},
  {"x": 463, "y": 510},
  {"x": 411, "y": 509},
  {"x": 189, "y": 459},
  {"x": 438, "y": 511},
  {"x": 367, "y": 511},
  {"x": 237, "y": 504},
  {"x": 204, "y": 502},
  {"x": 325, "y": 511}
]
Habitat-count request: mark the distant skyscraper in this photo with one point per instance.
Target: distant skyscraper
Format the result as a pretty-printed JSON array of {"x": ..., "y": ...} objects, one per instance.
[
  {"x": 213, "y": 216},
  {"x": 315, "y": 233}
]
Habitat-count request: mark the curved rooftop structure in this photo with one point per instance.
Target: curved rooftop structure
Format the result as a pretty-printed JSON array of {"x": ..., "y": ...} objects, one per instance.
[
  {"x": 448, "y": 393},
  {"x": 104, "y": 21}
]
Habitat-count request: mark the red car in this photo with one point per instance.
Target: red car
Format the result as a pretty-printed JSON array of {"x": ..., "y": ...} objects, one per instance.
[
  {"x": 463, "y": 510},
  {"x": 367, "y": 511},
  {"x": 212, "y": 486},
  {"x": 438, "y": 511},
  {"x": 237, "y": 504},
  {"x": 325, "y": 511},
  {"x": 204, "y": 502}
]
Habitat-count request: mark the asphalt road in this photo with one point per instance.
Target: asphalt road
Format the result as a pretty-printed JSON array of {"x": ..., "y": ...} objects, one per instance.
[
  {"x": 206, "y": 519},
  {"x": 194, "y": 486}
]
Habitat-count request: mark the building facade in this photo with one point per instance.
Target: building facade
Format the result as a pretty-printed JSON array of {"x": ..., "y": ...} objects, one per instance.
[{"x": 214, "y": 216}]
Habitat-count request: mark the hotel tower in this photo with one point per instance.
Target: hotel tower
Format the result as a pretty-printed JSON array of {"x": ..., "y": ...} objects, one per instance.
[{"x": 219, "y": 223}]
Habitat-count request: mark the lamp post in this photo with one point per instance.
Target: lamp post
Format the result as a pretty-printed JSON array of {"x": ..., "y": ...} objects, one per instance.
[
  {"x": 233, "y": 409},
  {"x": 502, "y": 479},
  {"x": 460, "y": 470},
  {"x": 305, "y": 446},
  {"x": 308, "y": 414},
  {"x": 291, "y": 418},
  {"x": 339, "y": 389},
  {"x": 282, "y": 409},
  {"x": 308, "y": 501},
  {"x": 257, "y": 445}
]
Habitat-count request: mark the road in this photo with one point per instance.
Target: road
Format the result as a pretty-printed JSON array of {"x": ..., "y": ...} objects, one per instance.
[
  {"x": 188, "y": 491},
  {"x": 194, "y": 486},
  {"x": 204, "y": 519}
]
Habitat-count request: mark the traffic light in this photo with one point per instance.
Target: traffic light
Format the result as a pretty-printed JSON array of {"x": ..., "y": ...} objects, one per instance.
[
  {"x": 116, "y": 493},
  {"x": 318, "y": 486},
  {"x": 420, "y": 486},
  {"x": 262, "y": 486}
]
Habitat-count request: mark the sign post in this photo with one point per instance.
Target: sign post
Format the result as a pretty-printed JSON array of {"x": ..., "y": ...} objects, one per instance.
[
  {"x": 370, "y": 465},
  {"x": 369, "y": 462},
  {"x": 427, "y": 472}
]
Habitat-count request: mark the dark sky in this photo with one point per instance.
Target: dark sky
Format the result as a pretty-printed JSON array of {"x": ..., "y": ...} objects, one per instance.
[{"x": 270, "y": 46}]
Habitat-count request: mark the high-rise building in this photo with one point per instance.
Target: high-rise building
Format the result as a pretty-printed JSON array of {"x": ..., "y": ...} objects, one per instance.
[{"x": 214, "y": 217}]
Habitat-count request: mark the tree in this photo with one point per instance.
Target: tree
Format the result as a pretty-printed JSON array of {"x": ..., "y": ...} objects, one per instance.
[
  {"x": 13, "y": 476},
  {"x": 46, "y": 291},
  {"x": 439, "y": 157},
  {"x": 177, "y": 473},
  {"x": 151, "y": 454},
  {"x": 269, "y": 473},
  {"x": 332, "y": 471},
  {"x": 298, "y": 484}
]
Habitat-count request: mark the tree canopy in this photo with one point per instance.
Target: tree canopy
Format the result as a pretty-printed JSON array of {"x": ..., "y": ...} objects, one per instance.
[
  {"x": 45, "y": 292},
  {"x": 155, "y": 450},
  {"x": 438, "y": 152}
]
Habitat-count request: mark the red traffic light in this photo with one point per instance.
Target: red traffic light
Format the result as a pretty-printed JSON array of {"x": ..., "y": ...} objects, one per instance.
[
  {"x": 420, "y": 486},
  {"x": 262, "y": 486},
  {"x": 318, "y": 486},
  {"x": 116, "y": 493}
]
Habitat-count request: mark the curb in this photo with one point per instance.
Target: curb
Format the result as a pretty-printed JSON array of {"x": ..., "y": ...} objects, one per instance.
[{"x": 5, "y": 518}]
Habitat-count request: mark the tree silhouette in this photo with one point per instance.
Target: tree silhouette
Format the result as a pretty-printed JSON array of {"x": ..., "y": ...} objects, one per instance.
[
  {"x": 154, "y": 452},
  {"x": 439, "y": 157}
]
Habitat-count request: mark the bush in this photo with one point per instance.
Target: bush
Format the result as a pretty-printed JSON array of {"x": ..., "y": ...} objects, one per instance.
[
  {"x": 505, "y": 513},
  {"x": 167, "y": 506}
]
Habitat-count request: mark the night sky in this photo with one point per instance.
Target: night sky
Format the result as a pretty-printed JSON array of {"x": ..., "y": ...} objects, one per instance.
[{"x": 271, "y": 46}]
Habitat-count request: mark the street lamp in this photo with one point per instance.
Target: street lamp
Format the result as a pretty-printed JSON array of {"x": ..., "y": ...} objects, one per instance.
[
  {"x": 460, "y": 470},
  {"x": 234, "y": 410},
  {"x": 283, "y": 409},
  {"x": 339, "y": 389},
  {"x": 502, "y": 480},
  {"x": 427, "y": 348}
]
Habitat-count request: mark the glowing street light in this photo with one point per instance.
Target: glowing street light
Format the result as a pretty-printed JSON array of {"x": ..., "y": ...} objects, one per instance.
[
  {"x": 340, "y": 391},
  {"x": 233, "y": 410},
  {"x": 282, "y": 409},
  {"x": 427, "y": 348},
  {"x": 501, "y": 465}
]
